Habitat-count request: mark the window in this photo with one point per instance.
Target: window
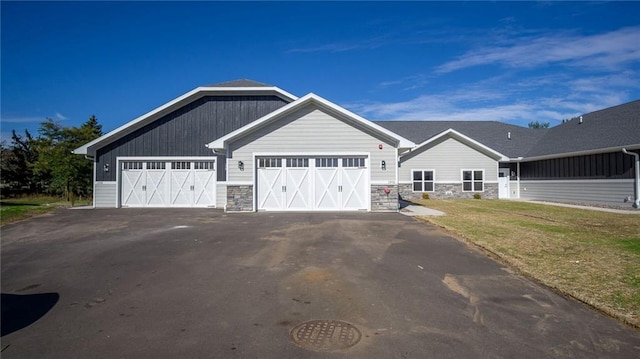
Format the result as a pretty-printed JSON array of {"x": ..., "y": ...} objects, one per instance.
[
  {"x": 204, "y": 165},
  {"x": 180, "y": 165},
  {"x": 269, "y": 162},
  {"x": 131, "y": 165},
  {"x": 422, "y": 180},
  {"x": 327, "y": 162},
  {"x": 472, "y": 180},
  {"x": 353, "y": 162},
  {"x": 156, "y": 165},
  {"x": 297, "y": 162}
]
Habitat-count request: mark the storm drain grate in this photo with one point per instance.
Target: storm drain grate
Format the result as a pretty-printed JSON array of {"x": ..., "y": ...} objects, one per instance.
[{"x": 325, "y": 335}]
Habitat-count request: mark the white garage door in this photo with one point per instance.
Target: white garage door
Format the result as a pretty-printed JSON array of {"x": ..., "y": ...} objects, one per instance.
[
  {"x": 175, "y": 183},
  {"x": 312, "y": 184}
]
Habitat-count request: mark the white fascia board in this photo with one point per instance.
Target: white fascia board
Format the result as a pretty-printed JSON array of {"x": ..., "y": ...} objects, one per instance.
[
  {"x": 580, "y": 153},
  {"x": 466, "y": 139},
  {"x": 176, "y": 103},
  {"x": 309, "y": 98}
]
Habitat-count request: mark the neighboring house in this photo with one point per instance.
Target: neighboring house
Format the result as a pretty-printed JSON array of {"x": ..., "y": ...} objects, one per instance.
[
  {"x": 579, "y": 161},
  {"x": 247, "y": 146}
]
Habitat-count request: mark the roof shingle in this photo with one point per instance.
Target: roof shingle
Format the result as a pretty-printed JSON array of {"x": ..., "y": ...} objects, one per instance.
[{"x": 239, "y": 83}]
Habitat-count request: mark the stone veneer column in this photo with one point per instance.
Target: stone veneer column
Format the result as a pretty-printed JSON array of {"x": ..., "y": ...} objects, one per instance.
[
  {"x": 239, "y": 198},
  {"x": 382, "y": 201}
]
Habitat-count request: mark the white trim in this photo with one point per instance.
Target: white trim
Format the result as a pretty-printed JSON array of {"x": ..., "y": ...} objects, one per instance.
[
  {"x": 238, "y": 183},
  {"x": 617, "y": 180},
  {"x": 95, "y": 166},
  {"x": 460, "y": 137},
  {"x": 164, "y": 158},
  {"x": 473, "y": 179},
  {"x": 310, "y": 98},
  {"x": 309, "y": 154},
  {"x": 381, "y": 183},
  {"x": 423, "y": 170},
  {"x": 445, "y": 182},
  {"x": 176, "y": 103}
]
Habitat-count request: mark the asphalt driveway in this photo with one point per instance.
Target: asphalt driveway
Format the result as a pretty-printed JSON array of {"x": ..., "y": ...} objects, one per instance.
[{"x": 203, "y": 284}]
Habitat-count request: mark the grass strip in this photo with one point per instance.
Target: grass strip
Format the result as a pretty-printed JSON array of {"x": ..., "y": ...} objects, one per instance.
[{"x": 16, "y": 209}]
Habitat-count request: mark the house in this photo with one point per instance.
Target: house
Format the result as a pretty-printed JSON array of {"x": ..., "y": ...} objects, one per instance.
[
  {"x": 579, "y": 161},
  {"x": 246, "y": 146}
]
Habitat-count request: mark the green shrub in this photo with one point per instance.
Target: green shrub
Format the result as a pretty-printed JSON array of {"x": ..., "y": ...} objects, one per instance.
[
  {"x": 425, "y": 196},
  {"x": 476, "y": 196}
]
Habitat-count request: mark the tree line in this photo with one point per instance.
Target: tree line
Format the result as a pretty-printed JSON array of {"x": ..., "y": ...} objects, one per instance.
[{"x": 45, "y": 164}]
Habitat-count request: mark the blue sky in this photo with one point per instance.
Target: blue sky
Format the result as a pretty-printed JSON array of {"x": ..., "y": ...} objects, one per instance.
[{"x": 513, "y": 62}]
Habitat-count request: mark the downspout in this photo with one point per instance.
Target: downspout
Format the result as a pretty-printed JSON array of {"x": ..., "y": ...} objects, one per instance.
[{"x": 636, "y": 202}]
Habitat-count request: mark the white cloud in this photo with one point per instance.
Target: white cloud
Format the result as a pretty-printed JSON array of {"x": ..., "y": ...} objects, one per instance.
[
  {"x": 609, "y": 50},
  {"x": 366, "y": 44},
  {"x": 507, "y": 100},
  {"x": 23, "y": 119},
  {"x": 60, "y": 117}
]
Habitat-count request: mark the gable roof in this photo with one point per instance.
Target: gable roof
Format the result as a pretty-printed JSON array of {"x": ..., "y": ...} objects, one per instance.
[
  {"x": 237, "y": 88},
  {"x": 321, "y": 103},
  {"x": 461, "y": 138},
  {"x": 608, "y": 129},
  {"x": 490, "y": 134},
  {"x": 239, "y": 83}
]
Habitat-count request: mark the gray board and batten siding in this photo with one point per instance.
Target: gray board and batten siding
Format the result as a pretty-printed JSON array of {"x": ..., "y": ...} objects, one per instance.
[{"x": 185, "y": 132}]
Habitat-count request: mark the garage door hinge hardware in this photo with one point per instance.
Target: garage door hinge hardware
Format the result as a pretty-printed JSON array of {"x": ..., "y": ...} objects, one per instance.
[
  {"x": 144, "y": 188},
  {"x": 191, "y": 188},
  {"x": 284, "y": 188}
]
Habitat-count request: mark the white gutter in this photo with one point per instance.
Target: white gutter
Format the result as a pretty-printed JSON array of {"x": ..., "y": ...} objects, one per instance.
[{"x": 636, "y": 202}]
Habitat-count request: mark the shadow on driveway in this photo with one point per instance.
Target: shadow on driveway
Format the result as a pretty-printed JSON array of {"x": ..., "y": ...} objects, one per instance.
[{"x": 20, "y": 311}]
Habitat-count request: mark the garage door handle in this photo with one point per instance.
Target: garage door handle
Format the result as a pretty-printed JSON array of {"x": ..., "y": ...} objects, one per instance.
[
  {"x": 284, "y": 188},
  {"x": 191, "y": 188},
  {"x": 144, "y": 188},
  {"x": 339, "y": 188}
]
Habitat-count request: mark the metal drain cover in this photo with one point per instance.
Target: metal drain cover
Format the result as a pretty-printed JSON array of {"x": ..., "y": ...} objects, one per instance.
[{"x": 325, "y": 335}]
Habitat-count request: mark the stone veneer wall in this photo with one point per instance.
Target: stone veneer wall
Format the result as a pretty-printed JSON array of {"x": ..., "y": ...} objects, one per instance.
[
  {"x": 441, "y": 189},
  {"x": 383, "y": 202},
  {"x": 239, "y": 198}
]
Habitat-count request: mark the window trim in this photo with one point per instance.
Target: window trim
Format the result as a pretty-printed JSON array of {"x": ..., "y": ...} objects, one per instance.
[
  {"x": 433, "y": 181},
  {"x": 473, "y": 179}
]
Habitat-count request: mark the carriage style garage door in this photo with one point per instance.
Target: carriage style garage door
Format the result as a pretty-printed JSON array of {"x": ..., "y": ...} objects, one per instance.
[
  {"x": 175, "y": 183},
  {"x": 312, "y": 183}
]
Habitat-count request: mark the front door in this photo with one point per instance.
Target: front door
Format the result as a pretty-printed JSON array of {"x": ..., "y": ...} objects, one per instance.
[{"x": 503, "y": 183}]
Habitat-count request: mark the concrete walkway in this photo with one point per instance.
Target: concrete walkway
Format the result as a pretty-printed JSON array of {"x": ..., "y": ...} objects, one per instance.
[
  {"x": 410, "y": 209},
  {"x": 590, "y": 208}
]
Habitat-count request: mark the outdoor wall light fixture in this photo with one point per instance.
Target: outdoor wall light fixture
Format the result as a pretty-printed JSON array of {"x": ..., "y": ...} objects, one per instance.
[
  {"x": 383, "y": 165},
  {"x": 241, "y": 165},
  {"x": 105, "y": 167}
]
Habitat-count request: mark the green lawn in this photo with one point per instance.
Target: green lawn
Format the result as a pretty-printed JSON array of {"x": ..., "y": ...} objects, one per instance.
[
  {"x": 15, "y": 209},
  {"x": 593, "y": 256}
]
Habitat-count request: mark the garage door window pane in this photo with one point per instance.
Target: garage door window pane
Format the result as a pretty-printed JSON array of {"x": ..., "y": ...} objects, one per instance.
[
  {"x": 324, "y": 162},
  {"x": 269, "y": 162},
  {"x": 353, "y": 162},
  {"x": 156, "y": 165},
  {"x": 297, "y": 162},
  {"x": 180, "y": 165},
  {"x": 131, "y": 165},
  {"x": 204, "y": 165}
]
